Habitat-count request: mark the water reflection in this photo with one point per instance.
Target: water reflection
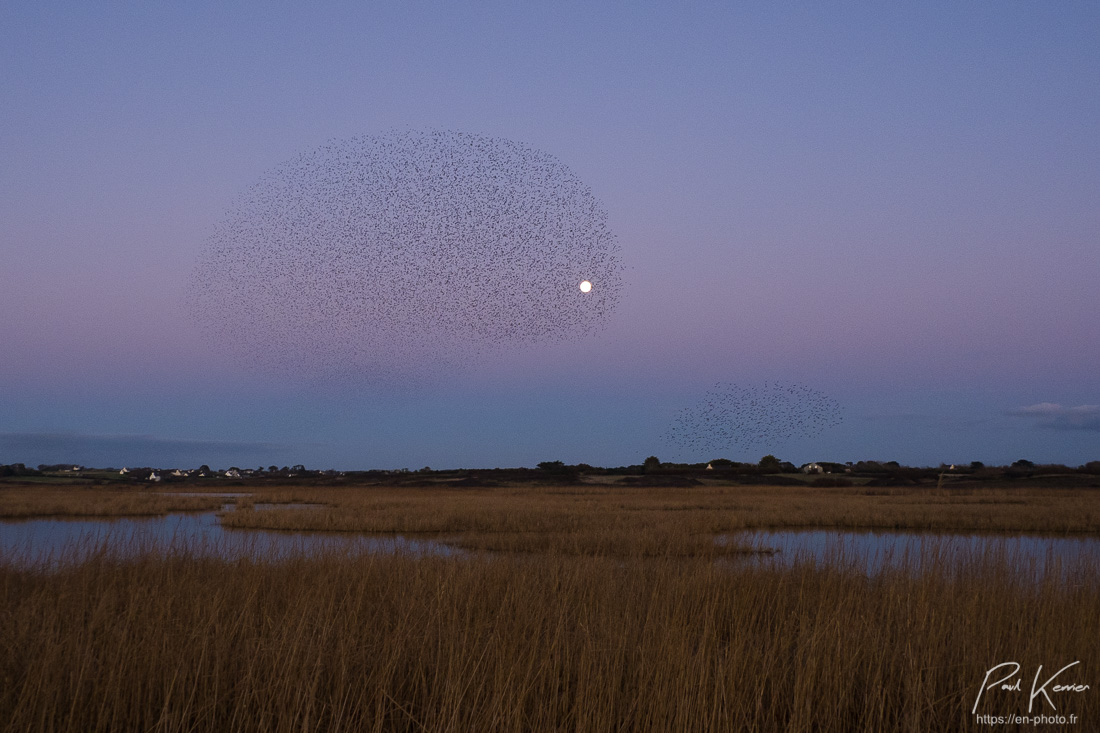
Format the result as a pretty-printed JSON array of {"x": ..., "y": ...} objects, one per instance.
[
  {"x": 49, "y": 542},
  {"x": 873, "y": 552}
]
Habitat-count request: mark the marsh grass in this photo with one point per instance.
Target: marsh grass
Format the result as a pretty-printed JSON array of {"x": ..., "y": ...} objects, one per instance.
[
  {"x": 25, "y": 502},
  {"x": 522, "y": 643},
  {"x": 669, "y": 521},
  {"x": 29, "y": 501},
  {"x": 599, "y": 608}
]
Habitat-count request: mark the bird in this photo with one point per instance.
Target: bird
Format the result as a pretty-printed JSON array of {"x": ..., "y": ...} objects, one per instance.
[
  {"x": 766, "y": 415},
  {"x": 404, "y": 256}
]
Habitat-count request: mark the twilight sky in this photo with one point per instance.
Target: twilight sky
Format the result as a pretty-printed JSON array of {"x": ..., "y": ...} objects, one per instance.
[{"x": 895, "y": 204}]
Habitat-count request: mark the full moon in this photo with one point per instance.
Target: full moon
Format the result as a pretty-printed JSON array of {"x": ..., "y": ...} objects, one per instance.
[
  {"x": 585, "y": 286},
  {"x": 366, "y": 260}
]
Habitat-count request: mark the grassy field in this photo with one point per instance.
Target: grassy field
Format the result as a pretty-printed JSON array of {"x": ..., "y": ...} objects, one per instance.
[
  {"x": 594, "y": 519},
  {"x": 609, "y": 611},
  {"x": 26, "y": 502},
  {"x": 541, "y": 518}
]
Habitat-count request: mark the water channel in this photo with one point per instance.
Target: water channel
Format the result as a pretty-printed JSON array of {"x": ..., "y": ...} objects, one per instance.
[
  {"x": 53, "y": 541},
  {"x": 872, "y": 552}
]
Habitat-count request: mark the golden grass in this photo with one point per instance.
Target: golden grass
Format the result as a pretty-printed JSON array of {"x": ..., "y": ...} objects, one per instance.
[
  {"x": 601, "y": 608},
  {"x": 24, "y": 502},
  {"x": 523, "y": 643},
  {"x": 669, "y": 521},
  {"x": 527, "y": 508},
  {"x": 595, "y": 519}
]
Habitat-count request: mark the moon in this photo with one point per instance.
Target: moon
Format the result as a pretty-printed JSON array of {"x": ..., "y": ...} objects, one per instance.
[
  {"x": 365, "y": 261},
  {"x": 585, "y": 286}
]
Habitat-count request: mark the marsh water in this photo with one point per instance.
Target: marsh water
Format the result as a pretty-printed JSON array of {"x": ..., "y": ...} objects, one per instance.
[
  {"x": 37, "y": 542},
  {"x": 873, "y": 552}
]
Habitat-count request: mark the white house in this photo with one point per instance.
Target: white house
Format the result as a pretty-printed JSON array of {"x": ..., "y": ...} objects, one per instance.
[
  {"x": 155, "y": 477},
  {"x": 124, "y": 471}
]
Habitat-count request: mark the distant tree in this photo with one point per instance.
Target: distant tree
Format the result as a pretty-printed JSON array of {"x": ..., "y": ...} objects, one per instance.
[
  {"x": 426, "y": 469},
  {"x": 769, "y": 465},
  {"x": 976, "y": 465},
  {"x": 272, "y": 469},
  {"x": 559, "y": 470},
  {"x": 204, "y": 469},
  {"x": 1023, "y": 463},
  {"x": 651, "y": 464},
  {"x": 298, "y": 468}
]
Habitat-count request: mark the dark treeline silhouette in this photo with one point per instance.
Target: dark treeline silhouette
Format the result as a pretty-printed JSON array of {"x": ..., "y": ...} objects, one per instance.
[{"x": 652, "y": 471}]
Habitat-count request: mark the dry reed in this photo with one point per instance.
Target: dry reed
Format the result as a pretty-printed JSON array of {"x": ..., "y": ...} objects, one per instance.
[
  {"x": 522, "y": 643},
  {"x": 611, "y": 611}
]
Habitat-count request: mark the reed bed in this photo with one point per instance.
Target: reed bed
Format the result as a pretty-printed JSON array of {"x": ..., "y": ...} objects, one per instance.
[
  {"x": 711, "y": 509},
  {"x": 23, "y": 501},
  {"x": 525, "y": 643},
  {"x": 28, "y": 502},
  {"x": 539, "y": 519},
  {"x": 576, "y": 607}
]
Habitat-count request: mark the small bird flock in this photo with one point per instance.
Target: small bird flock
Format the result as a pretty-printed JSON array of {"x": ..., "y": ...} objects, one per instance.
[
  {"x": 404, "y": 256},
  {"x": 731, "y": 416}
]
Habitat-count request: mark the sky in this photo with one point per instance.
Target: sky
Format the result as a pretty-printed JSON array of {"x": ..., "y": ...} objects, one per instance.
[{"x": 894, "y": 204}]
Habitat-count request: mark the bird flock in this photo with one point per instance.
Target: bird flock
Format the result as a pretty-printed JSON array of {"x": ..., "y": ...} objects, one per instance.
[
  {"x": 403, "y": 256},
  {"x": 764, "y": 416}
]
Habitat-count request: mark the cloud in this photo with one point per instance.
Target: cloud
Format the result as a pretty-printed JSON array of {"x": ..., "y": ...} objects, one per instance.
[
  {"x": 1056, "y": 417},
  {"x": 134, "y": 450}
]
